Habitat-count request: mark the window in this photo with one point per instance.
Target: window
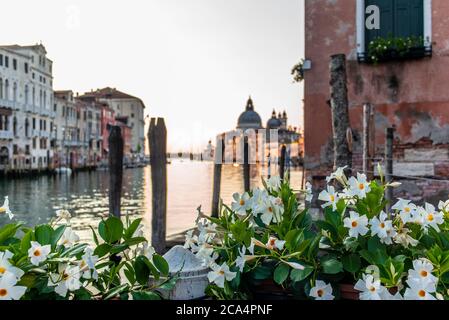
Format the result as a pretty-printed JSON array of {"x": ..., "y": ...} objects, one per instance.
[
  {"x": 14, "y": 64},
  {"x": 15, "y": 149},
  {"x": 6, "y": 61},
  {"x": 34, "y": 145},
  {"x": 34, "y": 123},
  {"x": 27, "y": 149},
  {"x": 33, "y": 75},
  {"x": 1, "y": 60},
  {"x": 14, "y": 126},
  {"x": 26, "y": 67},
  {"x": 398, "y": 19}
]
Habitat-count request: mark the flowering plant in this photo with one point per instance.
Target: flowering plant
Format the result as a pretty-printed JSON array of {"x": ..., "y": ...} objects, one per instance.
[
  {"x": 49, "y": 262},
  {"x": 379, "y": 47},
  {"x": 265, "y": 234}
]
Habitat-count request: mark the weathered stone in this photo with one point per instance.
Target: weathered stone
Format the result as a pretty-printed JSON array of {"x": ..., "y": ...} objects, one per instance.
[
  {"x": 192, "y": 275},
  {"x": 426, "y": 155},
  {"x": 412, "y": 169}
]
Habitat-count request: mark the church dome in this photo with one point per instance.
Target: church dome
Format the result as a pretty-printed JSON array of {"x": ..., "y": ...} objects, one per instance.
[
  {"x": 249, "y": 119},
  {"x": 274, "y": 122}
]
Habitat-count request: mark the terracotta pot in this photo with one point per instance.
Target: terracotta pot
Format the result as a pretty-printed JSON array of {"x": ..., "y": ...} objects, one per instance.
[{"x": 347, "y": 292}]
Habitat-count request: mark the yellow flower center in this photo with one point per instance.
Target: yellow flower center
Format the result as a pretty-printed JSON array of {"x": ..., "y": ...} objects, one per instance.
[
  {"x": 221, "y": 273},
  {"x": 407, "y": 209},
  {"x": 332, "y": 198},
  {"x": 242, "y": 202},
  {"x": 2, "y": 210},
  {"x": 65, "y": 276},
  {"x": 354, "y": 224},
  {"x": 424, "y": 273},
  {"x": 361, "y": 186},
  {"x": 2, "y": 270},
  {"x": 422, "y": 293},
  {"x": 83, "y": 264},
  {"x": 372, "y": 289},
  {"x": 270, "y": 209},
  {"x": 382, "y": 225},
  {"x": 37, "y": 253},
  {"x": 430, "y": 217},
  {"x": 320, "y": 293},
  {"x": 272, "y": 242},
  {"x": 3, "y": 292}
]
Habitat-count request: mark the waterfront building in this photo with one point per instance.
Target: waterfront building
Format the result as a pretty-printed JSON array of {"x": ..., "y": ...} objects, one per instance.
[
  {"x": 126, "y": 130},
  {"x": 26, "y": 116},
  {"x": 124, "y": 105},
  {"x": 107, "y": 120},
  {"x": 407, "y": 89}
]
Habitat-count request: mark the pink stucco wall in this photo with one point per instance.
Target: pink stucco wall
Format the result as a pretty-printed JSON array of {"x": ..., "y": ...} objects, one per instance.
[{"x": 413, "y": 95}]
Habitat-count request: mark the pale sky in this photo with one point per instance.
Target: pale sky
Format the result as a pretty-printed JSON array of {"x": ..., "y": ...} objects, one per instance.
[{"x": 193, "y": 62}]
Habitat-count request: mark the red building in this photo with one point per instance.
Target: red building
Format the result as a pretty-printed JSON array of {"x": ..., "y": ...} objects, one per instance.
[
  {"x": 126, "y": 130},
  {"x": 107, "y": 120},
  {"x": 408, "y": 91}
]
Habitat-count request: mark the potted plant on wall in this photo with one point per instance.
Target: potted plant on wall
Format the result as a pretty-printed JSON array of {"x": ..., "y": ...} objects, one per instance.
[{"x": 396, "y": 48}]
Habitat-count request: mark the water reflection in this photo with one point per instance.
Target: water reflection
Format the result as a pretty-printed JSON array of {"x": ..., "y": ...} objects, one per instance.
[{"x": 85, "y": 194}]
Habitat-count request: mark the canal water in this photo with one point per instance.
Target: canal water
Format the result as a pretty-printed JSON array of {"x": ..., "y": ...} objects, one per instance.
[{"x": 85, "y": 195}]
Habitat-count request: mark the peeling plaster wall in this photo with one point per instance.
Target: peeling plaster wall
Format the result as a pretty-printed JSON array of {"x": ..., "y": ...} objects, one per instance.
[{"x": 412, "y": 95}]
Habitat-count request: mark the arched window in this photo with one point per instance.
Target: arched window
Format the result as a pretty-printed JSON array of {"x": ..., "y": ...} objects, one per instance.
[
  {"x": 6, "y": 89},
  {"x": 6, "y": 123},
  {"x": 14, "y": 126},
  {"x": 27, "y": 128},
  {"x": 14, "y": 92},
  {"x": 26, "y": 94},
  {"x": 1, "y": 88}
]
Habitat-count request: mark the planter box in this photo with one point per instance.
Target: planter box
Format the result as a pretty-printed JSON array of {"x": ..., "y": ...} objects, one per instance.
[{"x": 394, "y": 55}]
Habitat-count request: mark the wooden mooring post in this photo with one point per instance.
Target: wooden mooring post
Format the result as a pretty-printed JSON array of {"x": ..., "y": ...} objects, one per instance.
[
  {"x": 115, "y": 141},
  {"x": 389, "y": 140},
  {"x": 157, "y": 137},
  {"x": 219, "y": 159},
  {"x": 367, "y": 132},
  {"x": 246, "y": 165},
  {"x": 282, "y": 162},
  {"x": 340, "y": 112}
]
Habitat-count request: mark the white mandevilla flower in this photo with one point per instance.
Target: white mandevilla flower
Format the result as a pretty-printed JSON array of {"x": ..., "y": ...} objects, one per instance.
[
  {"x": 69, "y": 238},
  {"x": 258, "y": 200},
  {"x": 191, "y": 241},
  {"x": 330, "y": 197},
  {"x": 68, "y": 279},
  {"x": 356, "y": 224},
  {"x": 406, "y": 210},
  {"x": 274, "y": 183},
  {"x": 241, "y": 260},
  {"x": 147, "y": 251},
  {"x": 359, "y": 187},
  {"x": 339, "y": 175},
  {"x": 272, "y": 210},
  {"x": 219, "y": 274},
  {"x": 402, "y": 237},
  {"x": 383, "y": 228},
  {"x": 321, "y": 291},
  {"x": 87, "y": 264},
  {"x": 63, "y": 214},
  {"x": 371, "y": 289},
  {"x": 207, "y": 255},
  {"x": 422, "y": 270},
  {"x": 8, "y": 288},
  {"x": 241, "y": 203},
  {"x": 38, "y": 253},
  {"x": 444, "y": 206},
  {"x": 429, "y": 217},
  {"x": 274, "y": 243},
  {"x": 419, "y": 290},
  {"x": 309, "y": 192},
  {"x": 6, "y": 266},
  {"x": 4, "y": 209}
]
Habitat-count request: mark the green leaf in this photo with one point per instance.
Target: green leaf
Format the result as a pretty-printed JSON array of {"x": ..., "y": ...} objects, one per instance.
[
  {"x": 134, "y": 241},
  {"x": 73, "y": 251},
  {"x": 142, "y": 271},
  {"x": 8, "y": 231},
  {"x": 331, "y": 266},
  {"x": 351, "y": 263},
  {"x": 281, "y": 273},
  {"x": 293, "y": 238},
  {"x": 94, "y": 235},
  {"x": 168, "y": 285},
  {"x": 116, "y": 291},
  {"x": 129, "y": 232},
  {"x": 43, "y": 234},
  {"x": 161, "y": 264},
  {"x": 262, "y": 272},
  {"x": 299, "y": 275},
  {"x": 145, "y": 295},
  {"x": 57, "y": 234},
  {"x": 25, "y": 244},
  {"x": 111, "y": 230},
  {"x": 102, "y": 250}
]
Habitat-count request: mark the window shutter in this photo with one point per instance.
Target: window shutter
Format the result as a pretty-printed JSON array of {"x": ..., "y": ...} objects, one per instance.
[
  {"x": 386, "y": 20},
  {"x": 409, "y": 18}
]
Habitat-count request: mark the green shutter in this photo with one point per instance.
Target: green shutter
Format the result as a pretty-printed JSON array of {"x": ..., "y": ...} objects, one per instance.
[
  {"x": 409, "y": 18},
  {"x": 386, "y": 20}
]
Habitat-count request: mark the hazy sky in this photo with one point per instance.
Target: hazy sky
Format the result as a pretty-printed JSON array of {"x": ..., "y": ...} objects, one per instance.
[{"x": 193, "y": 62}]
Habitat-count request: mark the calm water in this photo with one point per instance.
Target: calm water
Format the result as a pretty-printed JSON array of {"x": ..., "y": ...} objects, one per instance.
[{"x": 85, "y": 194}]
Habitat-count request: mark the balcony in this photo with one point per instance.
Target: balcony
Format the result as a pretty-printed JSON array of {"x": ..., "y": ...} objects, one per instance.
[
  {"x": 45, "y": 112},
  {"x": 44, "y": 134},
  {"x": 71, "y": 143},
  {"x": 29, "y": 108},
  {"x": 34, "y": 133},
  {"x": 6, "y": 135},
  {"x": 6, "y": 104}
]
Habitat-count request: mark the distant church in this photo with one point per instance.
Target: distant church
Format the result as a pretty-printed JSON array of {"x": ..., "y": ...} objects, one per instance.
[{"x": 250, "y": 119}]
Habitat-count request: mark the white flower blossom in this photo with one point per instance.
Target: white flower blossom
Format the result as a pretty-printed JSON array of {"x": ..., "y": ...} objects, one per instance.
[
  {"x": 359, "y": 186},
  {"x": 356, "y": 224},
  {"x": 219, "y": 274},
  {"x": 330, "y": 197},
  {"x": 38, "y": 253},
  {"x": 321, "y": 291},
  {"x": 8, "y": 288},
  {"x": 4, "y": 209}
]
